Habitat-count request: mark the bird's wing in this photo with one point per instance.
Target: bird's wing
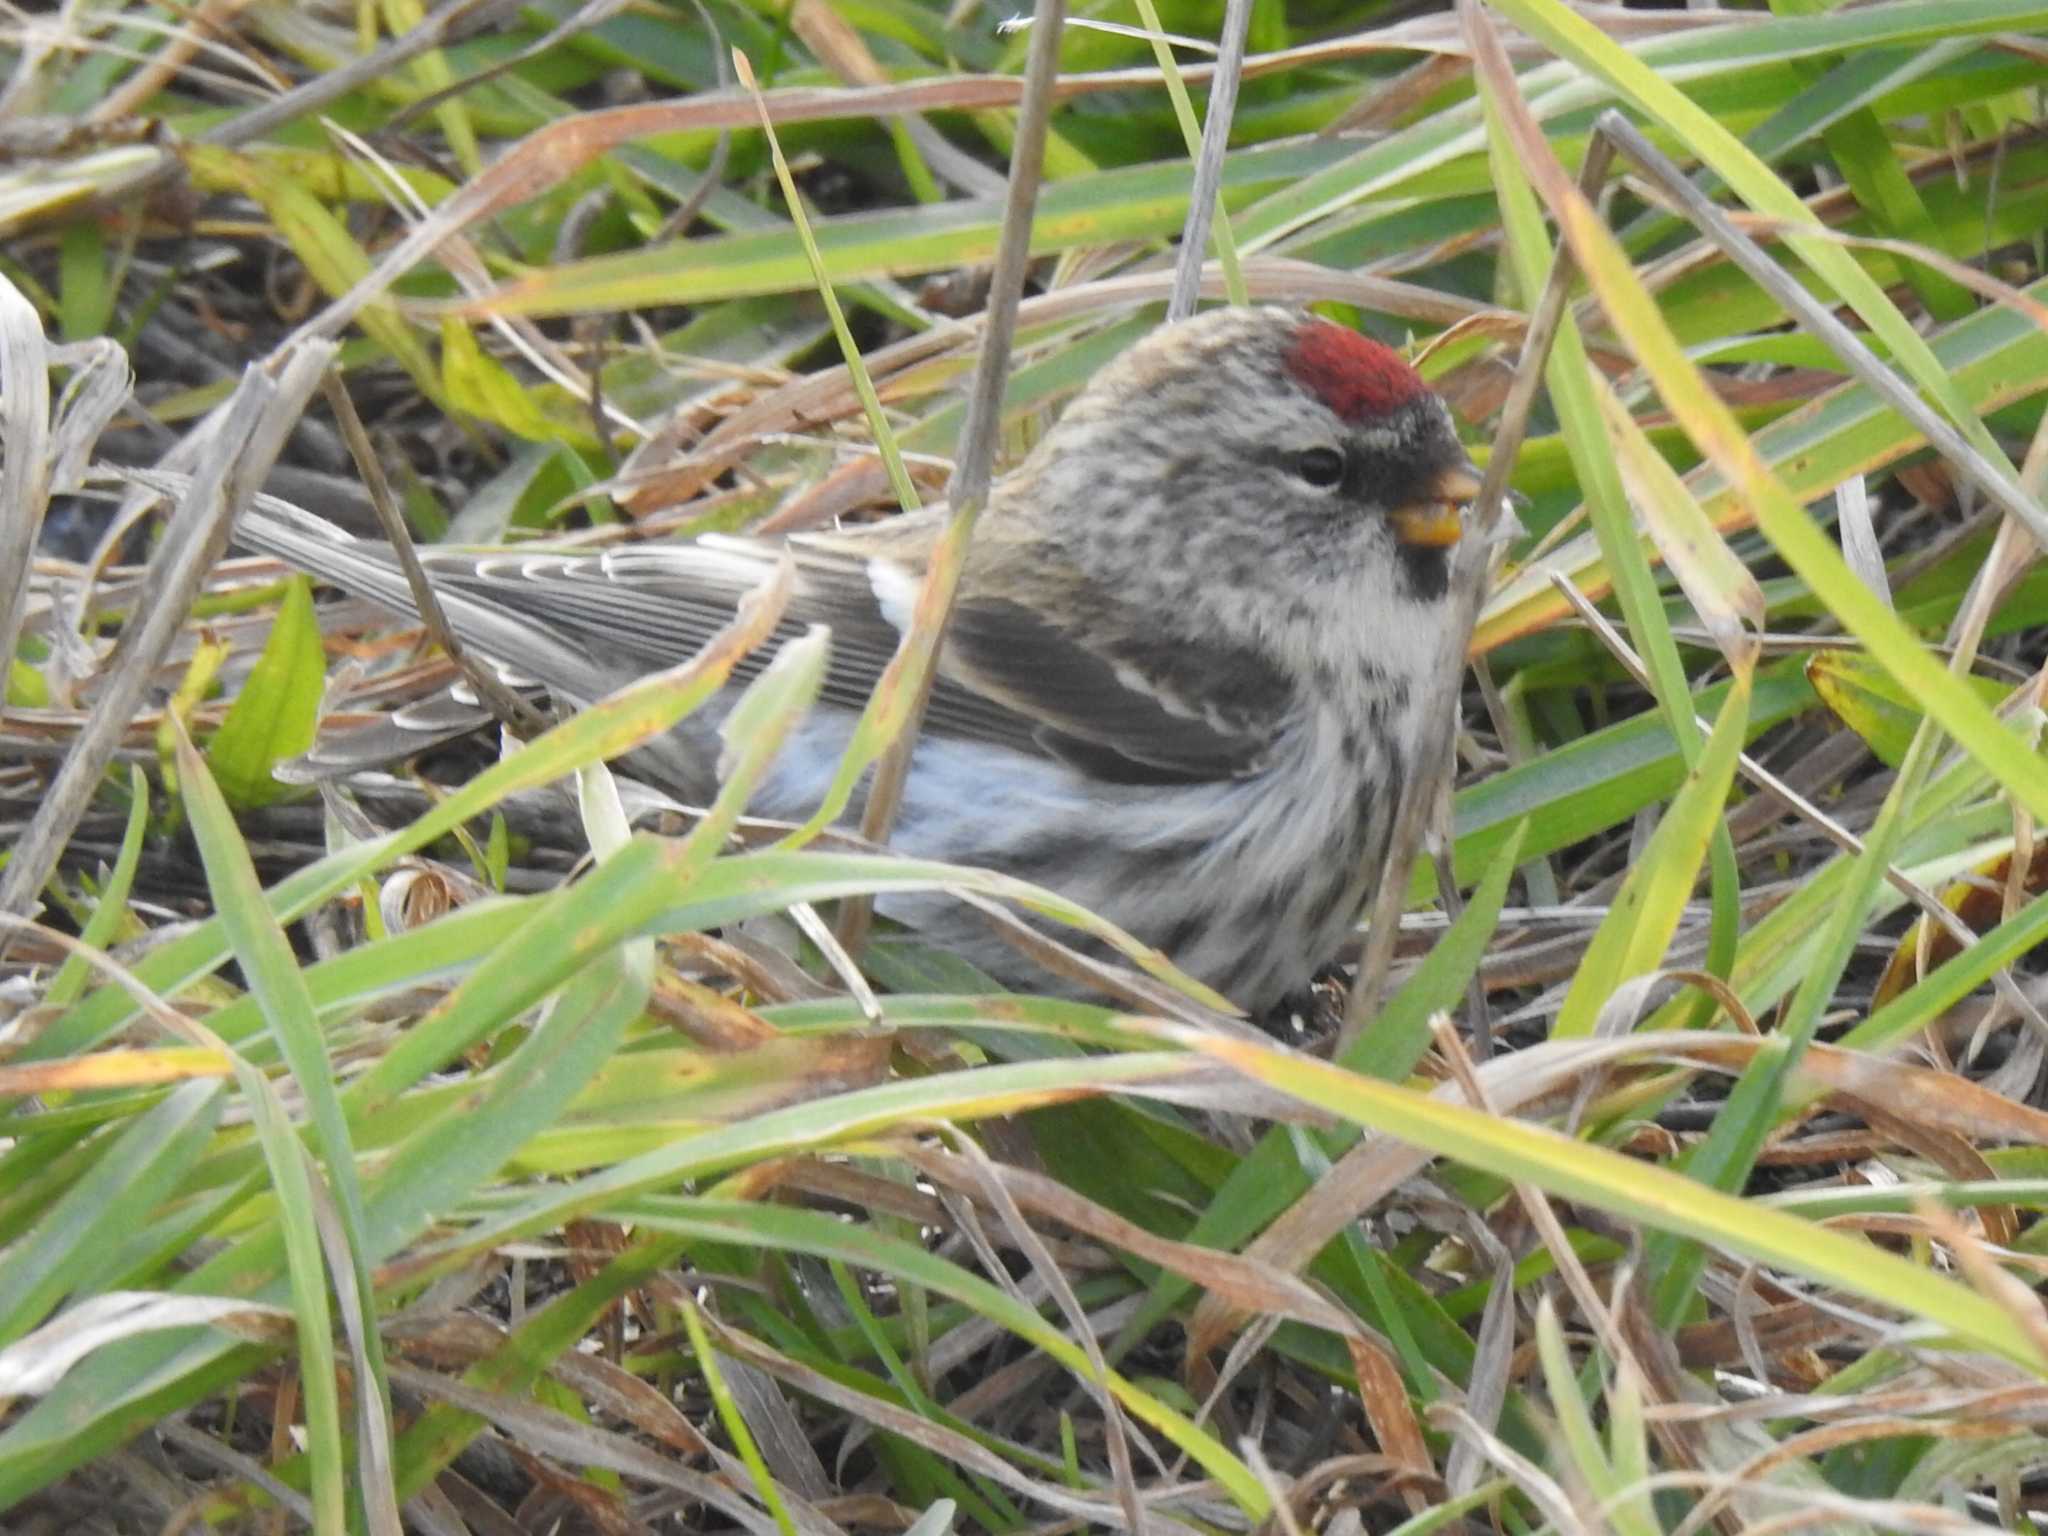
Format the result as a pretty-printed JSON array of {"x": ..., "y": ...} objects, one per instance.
[
  {"x": 1126, "y": 712},
  {"x": 585, "y": 623},
  {"x": 1130, "y": 709}
]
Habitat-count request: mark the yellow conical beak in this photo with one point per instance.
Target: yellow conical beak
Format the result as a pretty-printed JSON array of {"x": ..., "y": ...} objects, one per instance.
[{"x": 1437, "y": 522}]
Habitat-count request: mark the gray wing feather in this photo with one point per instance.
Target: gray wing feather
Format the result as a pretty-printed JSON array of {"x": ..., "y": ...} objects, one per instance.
[
  {"x": 582, "y": 624},
  {"x": 1121, "y": 713}
]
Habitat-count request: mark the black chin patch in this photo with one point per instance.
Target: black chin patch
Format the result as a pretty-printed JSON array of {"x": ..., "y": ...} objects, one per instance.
[{"x": 1425, "y": 571}]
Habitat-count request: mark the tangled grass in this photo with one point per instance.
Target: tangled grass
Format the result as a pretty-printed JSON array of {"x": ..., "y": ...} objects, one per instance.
[{"x": 481, "y": 1150}]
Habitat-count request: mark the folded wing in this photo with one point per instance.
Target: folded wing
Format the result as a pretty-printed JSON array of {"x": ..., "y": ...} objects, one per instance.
[{"x": 583, "y": 624}]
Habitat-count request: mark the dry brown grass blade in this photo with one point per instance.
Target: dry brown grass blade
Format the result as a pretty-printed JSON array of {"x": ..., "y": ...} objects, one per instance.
[
  {"x": 1985, "y": 1272},
  {"x": 1546, "y": 1078},
  {"x": 1383, "y": 1397},
  {"x": 1248, "y": 1284},
  {"x": 977, "y": 1173},
  {"x": 1423, "y": 793},
  {"x": 512, "y": 711},
  {"x": 545, "y": 1432},
  {"x": 1917, "y": 1095},
  {"x": 966, "y": 1451},
  {"x": 1949, "y": 1150},
  {"x": 974, "y": 471},
  {"x": 1202, "y": 207},
  {"x": 243, "y": 442},
  {"x": 1789, "y": 1329},
  {"x": 1377, "y": 1165}
]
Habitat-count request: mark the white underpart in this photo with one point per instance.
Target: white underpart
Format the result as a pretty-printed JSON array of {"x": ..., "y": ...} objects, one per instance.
[
  {"x": 1264, "y": 850},
  {"x": 895, "y": 592}
]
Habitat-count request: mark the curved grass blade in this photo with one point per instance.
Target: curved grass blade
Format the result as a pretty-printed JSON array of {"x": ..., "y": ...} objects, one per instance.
[
  {"x": 273, "y": 975},
  {"x": 1631, "y": 940},
  {"x": 1635, "y": 1191}
]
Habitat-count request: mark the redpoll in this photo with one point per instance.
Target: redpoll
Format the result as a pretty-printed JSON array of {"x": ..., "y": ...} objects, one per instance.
[{"x": 1182, "y": 684}]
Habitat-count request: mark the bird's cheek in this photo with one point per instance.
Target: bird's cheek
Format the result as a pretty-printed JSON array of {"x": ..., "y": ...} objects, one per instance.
[{"x": 1334, "y": 551}]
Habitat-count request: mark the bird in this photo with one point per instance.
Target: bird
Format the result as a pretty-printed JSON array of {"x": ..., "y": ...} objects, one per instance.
[{"x": 1183, "y": 682}]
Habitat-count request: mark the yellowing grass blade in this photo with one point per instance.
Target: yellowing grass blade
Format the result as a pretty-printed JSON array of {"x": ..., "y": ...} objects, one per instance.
[{"x": 1635, "y": 1191}]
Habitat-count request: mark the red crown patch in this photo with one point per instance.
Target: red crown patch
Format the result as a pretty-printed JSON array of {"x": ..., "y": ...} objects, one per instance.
[{"x": 1355, "y": 376}]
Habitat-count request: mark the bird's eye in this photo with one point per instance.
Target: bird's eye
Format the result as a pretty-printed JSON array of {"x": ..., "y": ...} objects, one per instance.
[{"x": 1320, "y": 467}]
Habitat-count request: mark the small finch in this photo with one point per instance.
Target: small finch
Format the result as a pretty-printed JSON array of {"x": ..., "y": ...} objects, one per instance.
[{"x": 1182, "y": 685}]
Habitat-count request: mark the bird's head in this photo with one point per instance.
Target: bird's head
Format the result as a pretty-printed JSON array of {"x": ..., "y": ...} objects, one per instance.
[{"x": 1261, "y": 469}]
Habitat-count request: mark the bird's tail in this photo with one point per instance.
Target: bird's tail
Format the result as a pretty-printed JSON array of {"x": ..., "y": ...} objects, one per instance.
[
  {"x": 526, "y": 650},
  {"x": 317, "y": 547},
  {"x": 539, "y": 619},
  {"x": 371, "y": 571}
]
